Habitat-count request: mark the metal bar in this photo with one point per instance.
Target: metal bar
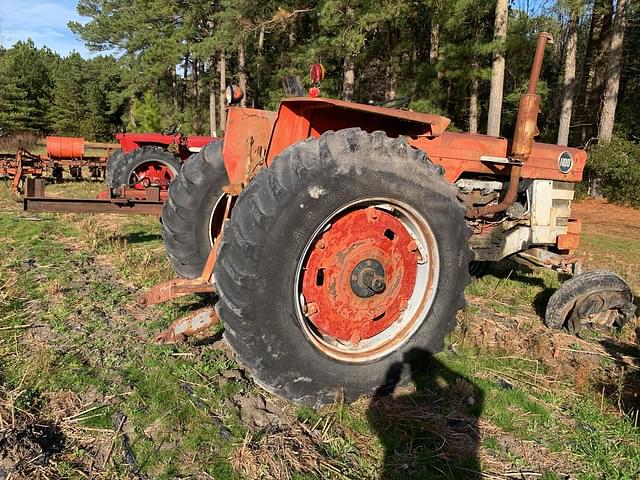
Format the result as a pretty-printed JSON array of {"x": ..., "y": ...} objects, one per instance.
[
  {"x": 179, "y": 287},
  {"x": 91, "y": 205},
  {"x": 189, "y": 325},
  {"x": 102, "y": 145}
]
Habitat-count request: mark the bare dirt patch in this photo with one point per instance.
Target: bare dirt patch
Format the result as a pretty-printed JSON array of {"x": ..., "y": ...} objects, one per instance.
[{"x": 602, "y": 218}]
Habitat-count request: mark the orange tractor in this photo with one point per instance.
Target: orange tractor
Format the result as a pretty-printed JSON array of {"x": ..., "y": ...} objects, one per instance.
[{"x": 339, "y": 236}]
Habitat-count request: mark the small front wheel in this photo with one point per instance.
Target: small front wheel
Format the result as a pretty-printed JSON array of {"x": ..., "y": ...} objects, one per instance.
[{"x": 598, "y": 299}]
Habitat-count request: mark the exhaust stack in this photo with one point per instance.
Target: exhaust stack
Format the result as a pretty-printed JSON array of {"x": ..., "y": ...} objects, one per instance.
[
  {"x": 525, "y": 132},
  {"x": 527, "y": 120}
]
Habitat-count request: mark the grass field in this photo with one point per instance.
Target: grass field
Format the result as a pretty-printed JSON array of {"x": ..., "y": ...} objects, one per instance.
[{"x": 85, "y": 394}]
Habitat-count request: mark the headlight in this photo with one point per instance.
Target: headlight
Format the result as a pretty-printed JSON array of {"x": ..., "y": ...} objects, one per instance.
[{"x": 233, "y": 94}]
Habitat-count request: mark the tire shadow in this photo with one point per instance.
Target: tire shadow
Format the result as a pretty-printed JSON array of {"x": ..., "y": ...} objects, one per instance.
[
  {"x": 432, "y": 432},
  {"x": 143, "y": 237}
]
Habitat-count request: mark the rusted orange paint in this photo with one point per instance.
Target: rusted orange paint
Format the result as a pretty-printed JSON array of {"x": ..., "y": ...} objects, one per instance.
[
  {"x": 570, "y": 240},
  {"x": 332, "y": 305},
  {"x": 65, "y": 147},
  {"x": 246, "y": 140},
  {"x": 459, "y": 153}
]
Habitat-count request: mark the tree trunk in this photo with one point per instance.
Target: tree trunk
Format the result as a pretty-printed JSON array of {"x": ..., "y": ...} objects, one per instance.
[
  {"x": 132, "y": 115},
  {"x": 223, "y": 88},
  {"x": 242, "y": 75},
  {"x": 434, "y": 45},
  {"x": 183, "y": 90},
  {"x": 292, "y": 34},
  {"x": 174, "y": 87},
  {"x": 569, "y": 81},
  {"x": 392, "y": 83},
  {"x": 473, "y": 105},
  {"x": 610, "y": 100},
  {"x": 594, "y": 69},
  {"x": 348, "y": 86},
  {"x": 213, "y": 94},
  {"x": 261, "y": 41},
  {"x": 497, "y": 70},
  {"x": 197, "y": 95}
]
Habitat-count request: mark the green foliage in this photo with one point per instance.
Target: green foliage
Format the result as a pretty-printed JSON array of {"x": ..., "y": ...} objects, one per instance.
[
  {"x": 26, "y": 86},
  {"x": 146, "y": 114},
  {"x": 67, "y": 96},
  {"x": 616, "y": 165},
  {"x": 170, "y": 49}
]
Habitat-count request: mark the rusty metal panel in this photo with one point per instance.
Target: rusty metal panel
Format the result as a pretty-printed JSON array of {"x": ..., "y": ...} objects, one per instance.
[
  {"x": 436, "y": 124},
  {"x": 460, "y": 153},
  {"x": 570, "y": 240},
  {"x": 245, "y": 142}
]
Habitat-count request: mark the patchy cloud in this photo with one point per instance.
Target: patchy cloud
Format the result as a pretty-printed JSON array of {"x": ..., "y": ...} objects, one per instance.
[{"x": 44, "y": 21}]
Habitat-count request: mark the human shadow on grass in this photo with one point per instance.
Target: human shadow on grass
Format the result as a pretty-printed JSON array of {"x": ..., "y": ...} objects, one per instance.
[{"x": 432, "y": 432}]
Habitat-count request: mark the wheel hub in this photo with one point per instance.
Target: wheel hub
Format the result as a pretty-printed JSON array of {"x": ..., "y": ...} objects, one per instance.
[
  {"x": 360, "y": 275},
  {"x": 367, "y": 278}
]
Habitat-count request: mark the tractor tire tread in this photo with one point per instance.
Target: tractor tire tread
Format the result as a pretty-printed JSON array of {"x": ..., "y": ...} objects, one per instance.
[
  {"x": 112, "y": 162},
  {"x": 256, "y": 213},
  {"x": 186, "y": 213}
]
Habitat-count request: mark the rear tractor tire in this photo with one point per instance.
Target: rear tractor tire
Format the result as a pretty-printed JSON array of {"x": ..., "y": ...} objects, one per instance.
[
  {"x": 598, "y": 299},
  {"x": 193, "y": 213},
  {"x": 145, "y": 167},
  {"x": 343, "y": 261}
]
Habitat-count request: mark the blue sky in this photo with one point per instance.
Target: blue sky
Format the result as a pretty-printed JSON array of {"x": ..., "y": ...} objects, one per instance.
[{"x": 44, "y": 21}]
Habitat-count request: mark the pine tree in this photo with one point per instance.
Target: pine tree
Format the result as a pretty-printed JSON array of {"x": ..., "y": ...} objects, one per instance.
[
  {"x": 25, "y": 95},
  {"x": 614, "y": 68}
]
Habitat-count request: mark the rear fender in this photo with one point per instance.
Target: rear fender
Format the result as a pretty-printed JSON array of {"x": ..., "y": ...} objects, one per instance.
[
  {"x": 304, "y": 117},
  {"x": 132, "y": 141}
]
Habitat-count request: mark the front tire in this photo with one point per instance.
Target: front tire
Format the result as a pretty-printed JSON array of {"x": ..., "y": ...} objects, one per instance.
[
  {"x": 598, "y": 299},
  {"x": 392, "y": 205}
]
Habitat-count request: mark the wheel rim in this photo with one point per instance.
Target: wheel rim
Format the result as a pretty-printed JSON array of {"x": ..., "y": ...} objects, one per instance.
[
  {"x": 153, "y": 173},
  {"x": 366, "y": 279},
  {"x": 216, "y": 219}
]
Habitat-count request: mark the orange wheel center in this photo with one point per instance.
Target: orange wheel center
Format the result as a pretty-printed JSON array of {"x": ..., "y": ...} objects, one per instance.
[{"x": 360, "y": 275}]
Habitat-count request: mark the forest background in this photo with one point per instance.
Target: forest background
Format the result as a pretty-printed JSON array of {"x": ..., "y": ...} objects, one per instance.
[{"x": 159, "y": 63}]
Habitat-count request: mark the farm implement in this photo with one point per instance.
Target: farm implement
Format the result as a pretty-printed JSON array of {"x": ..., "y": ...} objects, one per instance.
[
  {"x": 137, "y": 176},
  {"x": 339, "y": 237},
  {"x": 63, "y": 154}
]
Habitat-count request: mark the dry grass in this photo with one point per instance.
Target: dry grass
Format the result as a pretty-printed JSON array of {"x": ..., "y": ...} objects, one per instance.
[{"x": 280, "y": 455}]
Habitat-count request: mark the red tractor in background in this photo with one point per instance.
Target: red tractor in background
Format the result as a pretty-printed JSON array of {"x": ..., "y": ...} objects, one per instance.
[{"x": 150, "y": 159}]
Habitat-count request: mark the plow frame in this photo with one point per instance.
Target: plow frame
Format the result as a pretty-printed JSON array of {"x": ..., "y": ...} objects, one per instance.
[{"x": 125, "y": 200}]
